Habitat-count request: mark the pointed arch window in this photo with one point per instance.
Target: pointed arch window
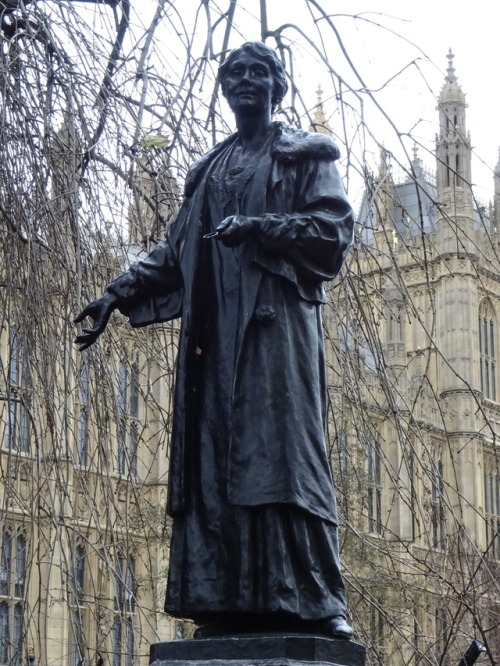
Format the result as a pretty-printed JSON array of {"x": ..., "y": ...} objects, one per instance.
[
  {"x": 487, "y": 350},
  {"x": 374, "y": 486},
  {"x": 83, "y": 417},
  {"x": 492, "y": 510},
  {"x": 12, "y": 592},
  {"x": 396, "y": 316},
  {"x": 377, "y": 629},
  {"x": 123, "y": 628},
  {"x": 18, "y": 396},
  {"x": 128, "y": 413},
  {"x": 442, "y": 624},
  {"x": 438, "y": 508},
  {"x": 79, "y": 609},
  {"x": 4, "y": 632}
]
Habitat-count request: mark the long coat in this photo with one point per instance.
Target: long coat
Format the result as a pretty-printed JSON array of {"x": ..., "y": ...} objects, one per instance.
[{"x": 277, "y": 450}]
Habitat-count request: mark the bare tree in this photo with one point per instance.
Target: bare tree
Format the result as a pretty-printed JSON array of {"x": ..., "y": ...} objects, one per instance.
[{"x": 103, "y": 108}]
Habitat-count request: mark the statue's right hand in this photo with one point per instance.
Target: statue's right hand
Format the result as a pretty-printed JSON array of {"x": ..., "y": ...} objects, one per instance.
[{"x": 99, "y": 311}]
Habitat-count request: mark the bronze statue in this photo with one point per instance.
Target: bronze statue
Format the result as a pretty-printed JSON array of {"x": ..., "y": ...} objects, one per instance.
[{"x": 265, "y": 221}]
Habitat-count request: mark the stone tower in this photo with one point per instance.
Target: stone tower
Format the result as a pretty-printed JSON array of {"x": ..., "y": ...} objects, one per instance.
[{"x": 453, "y": 174}]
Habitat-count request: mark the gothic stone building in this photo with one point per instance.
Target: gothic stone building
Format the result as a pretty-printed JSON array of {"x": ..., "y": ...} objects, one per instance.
[
  {"x": 83, "y": 452},
  {"x": 415, "y": 406},
  {"x": 414, "y": 416}
]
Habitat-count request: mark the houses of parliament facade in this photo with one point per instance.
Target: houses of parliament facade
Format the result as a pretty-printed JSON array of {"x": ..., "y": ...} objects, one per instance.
[{"x": 412, "y": 336}]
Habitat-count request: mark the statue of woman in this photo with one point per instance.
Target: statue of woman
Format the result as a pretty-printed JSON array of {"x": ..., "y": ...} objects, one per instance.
[{"x": 265, "y": 221}]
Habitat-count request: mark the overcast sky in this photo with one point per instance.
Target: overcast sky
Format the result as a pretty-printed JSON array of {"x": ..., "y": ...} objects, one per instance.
[
  {"x": 386, "y": 37},
  {"x": 425, "y": 30},
  {"x": 430, "y": 27},
  {"x": 471, "y": 30}
]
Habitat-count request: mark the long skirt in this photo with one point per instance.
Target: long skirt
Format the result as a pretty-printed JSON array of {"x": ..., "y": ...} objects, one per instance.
[{"x": 266, "y": 560}]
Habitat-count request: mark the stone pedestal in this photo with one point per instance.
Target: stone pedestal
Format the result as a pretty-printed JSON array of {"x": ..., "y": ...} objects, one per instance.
[{"x": 259, "y": 650}]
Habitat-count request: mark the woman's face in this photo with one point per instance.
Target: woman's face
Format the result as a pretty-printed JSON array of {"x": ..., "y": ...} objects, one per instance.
[{"x": 249, "y": 85}]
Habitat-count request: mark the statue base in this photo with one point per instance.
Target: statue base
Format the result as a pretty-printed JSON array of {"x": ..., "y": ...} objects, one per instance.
[{"x": 259, "y": 650}]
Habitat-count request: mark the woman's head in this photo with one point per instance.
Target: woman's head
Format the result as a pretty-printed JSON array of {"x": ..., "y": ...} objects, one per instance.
[{"x": 260, "y": 51}]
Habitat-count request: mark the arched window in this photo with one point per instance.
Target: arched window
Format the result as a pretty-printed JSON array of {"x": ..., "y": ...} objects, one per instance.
[
  {"x": 79, "y": 572},
  {"x": 487, "y": 350},
  {"x": 492, "y": 510},
  {"x": 438, "y": 521},
  {"x": 374, "y": 485},
  {"x": 17, "y": 635},
  {"x": 18, "y": 395},
  {"x": 442, "y": 624},
  {"x": 12, "y": 591},
  {"x": 83, "y": 406},
  {"x": 396, "y": 316},
  {"x": 4, "y": 632},
  {"x": 128, "y": 412},
  {"x": 78, "y": 603},
  {"x": 123, "y": 631}
]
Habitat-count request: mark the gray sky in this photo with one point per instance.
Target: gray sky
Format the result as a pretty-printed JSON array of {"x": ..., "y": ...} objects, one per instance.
[
  {"x": 420, "y": 31},
  {"x": 389, "y": 36},
  {"x": 471, "y": 30}
]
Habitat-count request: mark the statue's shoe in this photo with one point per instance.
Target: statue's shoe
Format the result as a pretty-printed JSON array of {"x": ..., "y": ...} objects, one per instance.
[{"x": 335, "y": 626}]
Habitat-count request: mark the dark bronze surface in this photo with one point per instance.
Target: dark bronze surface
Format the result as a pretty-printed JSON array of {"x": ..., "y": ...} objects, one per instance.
[{"x": 265, "y": 221}]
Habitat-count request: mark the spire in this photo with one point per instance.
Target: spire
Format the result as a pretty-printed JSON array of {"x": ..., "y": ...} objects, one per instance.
[
  {"x": 415, "y": 154},
  {"x": 496, "y": 196},
  {"x": 320, "y": 123},
  {"x": 385, "y": 166},
  {"x": 319, "y": 93},
  {"x": 384, "y": 198},
  {"x": 155, "y": 193},
  {"x": 453, "y": 170},
  {"x": 450, "y": 73},
  {"x": 453, "y": 150},
  {"x": 497, "y": 168},
  {"x": 65, "y": 146},
  {"x": 451, "y": 92},
  {"x": 416, "y": 162},
  {"x": 63, "y": 157}
]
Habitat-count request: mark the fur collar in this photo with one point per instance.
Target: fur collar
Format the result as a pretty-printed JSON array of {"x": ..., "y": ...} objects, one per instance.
[{"x": 294, "y": 145}]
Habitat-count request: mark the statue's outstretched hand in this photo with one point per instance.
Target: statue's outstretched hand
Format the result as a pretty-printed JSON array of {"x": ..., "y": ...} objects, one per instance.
[{"x": 99, "y": 311}]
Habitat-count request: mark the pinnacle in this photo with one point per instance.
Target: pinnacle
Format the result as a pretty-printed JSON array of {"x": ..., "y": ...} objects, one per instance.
[
  {"x": 415, "y": 154},
  {"x": 385, "y": 166},
  {"x": 320, "y": 122},
  {"x": 497, "y": 168},
  {"x": 319, "y": 93},
  {"x": 450, "y": 73},
  {"x": 451, "y": 92}
]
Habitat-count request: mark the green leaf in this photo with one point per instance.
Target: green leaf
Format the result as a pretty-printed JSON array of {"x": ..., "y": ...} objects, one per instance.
[{"x": 155, "y": 140}]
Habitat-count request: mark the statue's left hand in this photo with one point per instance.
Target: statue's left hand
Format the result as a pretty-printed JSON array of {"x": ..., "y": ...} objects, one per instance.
[{"x": 235, "y": 229}]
